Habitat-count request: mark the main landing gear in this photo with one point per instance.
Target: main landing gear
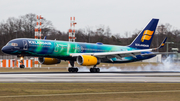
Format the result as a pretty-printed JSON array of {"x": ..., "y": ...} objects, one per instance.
[
  {"x": 21, "y": 63},
  {"x": 72, "y": 69},
  {"x": 94, "y": 70}
]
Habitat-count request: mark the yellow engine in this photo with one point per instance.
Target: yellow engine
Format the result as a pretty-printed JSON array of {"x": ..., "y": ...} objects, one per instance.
[
  {"x": 49, "y": 61},
  {"x": 87, "y": 60}
]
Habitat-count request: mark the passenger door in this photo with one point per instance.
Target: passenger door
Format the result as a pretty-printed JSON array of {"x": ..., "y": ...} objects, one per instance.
[{"x": 25, "y": 45}]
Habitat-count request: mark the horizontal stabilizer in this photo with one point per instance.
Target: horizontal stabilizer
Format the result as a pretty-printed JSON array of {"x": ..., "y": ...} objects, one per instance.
[
  {"x": 156, "y": 53},
  {"x": 162, "y": 44}
]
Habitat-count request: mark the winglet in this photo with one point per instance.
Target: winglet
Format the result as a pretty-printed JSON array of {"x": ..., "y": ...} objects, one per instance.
[
  {"x": 162, "y": 44},
  {"x": 45, "y": 38}
]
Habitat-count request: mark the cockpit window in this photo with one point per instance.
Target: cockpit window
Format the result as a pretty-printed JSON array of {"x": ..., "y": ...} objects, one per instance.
[
  {"x": 14, "y": 44},
  {"x": 8, "y": 44},
  {"x": 11, "y": 44}
]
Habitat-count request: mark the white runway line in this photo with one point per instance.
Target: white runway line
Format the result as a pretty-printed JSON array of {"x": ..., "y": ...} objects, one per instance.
[
  {"x": 133, "y": 92},
  {"x": 92, "y": 77}
]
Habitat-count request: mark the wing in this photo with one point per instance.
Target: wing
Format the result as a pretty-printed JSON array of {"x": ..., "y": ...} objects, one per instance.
[
  {"x": 121, "y": 54},
  {"x": 114, "y": 54}
]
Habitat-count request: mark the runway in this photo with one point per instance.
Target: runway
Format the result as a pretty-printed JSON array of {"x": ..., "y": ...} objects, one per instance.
[{"x": 116, "y": 77}]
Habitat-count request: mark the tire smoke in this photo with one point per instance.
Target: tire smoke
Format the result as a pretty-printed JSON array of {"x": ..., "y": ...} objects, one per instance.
[{"x": 167, "y": 65}]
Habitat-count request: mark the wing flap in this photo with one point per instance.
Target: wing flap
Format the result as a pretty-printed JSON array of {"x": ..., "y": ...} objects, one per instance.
[{"x": 114, "y": 54}]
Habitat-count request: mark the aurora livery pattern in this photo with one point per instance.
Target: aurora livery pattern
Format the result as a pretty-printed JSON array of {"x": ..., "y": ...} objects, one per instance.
[
  {"x": 87, "y": 54},
  {"x": 63, "y": 49}
]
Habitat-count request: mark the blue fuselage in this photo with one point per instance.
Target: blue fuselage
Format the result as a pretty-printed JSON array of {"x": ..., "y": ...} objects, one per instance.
[{"x": 63, "y": 49}]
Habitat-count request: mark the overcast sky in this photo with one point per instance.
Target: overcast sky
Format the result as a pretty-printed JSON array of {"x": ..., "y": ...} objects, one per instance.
[{"x": 120, "y": 15}]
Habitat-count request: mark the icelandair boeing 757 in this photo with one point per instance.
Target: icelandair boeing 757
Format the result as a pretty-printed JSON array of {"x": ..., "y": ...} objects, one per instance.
[{"x": 86, "y": 54}]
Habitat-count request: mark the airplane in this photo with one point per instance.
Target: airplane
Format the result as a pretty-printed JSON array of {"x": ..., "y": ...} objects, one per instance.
[{"x": 86, "y": 54}]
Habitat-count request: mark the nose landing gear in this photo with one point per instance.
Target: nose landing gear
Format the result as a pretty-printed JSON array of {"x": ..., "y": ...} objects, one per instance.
[
  {"x": 73, "y": 69},
  {"x": 21, "y": 62}
]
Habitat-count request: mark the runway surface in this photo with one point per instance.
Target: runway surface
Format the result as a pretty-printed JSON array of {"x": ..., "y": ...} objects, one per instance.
[{"x": 157, "y": 77}]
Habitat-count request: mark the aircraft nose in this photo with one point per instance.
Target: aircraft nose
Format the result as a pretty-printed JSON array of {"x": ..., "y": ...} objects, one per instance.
[{"x": 5, "y": 49}]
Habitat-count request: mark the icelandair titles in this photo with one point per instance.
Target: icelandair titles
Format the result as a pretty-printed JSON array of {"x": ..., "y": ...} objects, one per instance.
[
  {"x": 36, "y": 42},
  {"x": 141, "y": 45}
]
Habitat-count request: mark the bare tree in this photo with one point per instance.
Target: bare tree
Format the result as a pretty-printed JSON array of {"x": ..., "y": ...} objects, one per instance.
[{"x": 23, "y": 26}]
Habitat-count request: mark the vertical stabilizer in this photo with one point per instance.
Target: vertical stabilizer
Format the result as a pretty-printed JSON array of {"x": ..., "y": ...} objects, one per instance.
[{"x": 144, "y": 39}]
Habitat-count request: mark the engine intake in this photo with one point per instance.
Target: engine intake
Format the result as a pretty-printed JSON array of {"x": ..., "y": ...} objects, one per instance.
[
  {"x": 87, "y": 60},
  {"x": 49, "y": 61}
]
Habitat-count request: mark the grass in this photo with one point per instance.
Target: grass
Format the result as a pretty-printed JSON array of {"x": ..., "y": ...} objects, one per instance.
[
  {"x": 90, "y": 91},
  {"x": 87, "y": 91}
]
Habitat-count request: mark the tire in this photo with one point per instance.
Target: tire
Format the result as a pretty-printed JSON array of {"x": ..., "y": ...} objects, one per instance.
[
  {"x": 97, "y": 70},
  {"x": 70, "y": 70},
  {"x": 91, "y": 70},
  {"x": 94, "y": 70},
  {"x": 73, "y": 70},
  {"x": 22, "y": 66},
  {"x": 76, "y": 70}
]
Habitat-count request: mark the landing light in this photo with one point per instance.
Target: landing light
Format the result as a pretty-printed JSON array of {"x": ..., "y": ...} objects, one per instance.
[{"x": 21, "y": 58}]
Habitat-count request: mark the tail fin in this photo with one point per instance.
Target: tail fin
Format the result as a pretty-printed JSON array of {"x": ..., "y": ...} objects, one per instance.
[{"x": 143, "y": 40}]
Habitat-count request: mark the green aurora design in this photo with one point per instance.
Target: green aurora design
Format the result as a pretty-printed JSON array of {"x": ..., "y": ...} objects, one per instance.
[{"x": 63, "y": 49}]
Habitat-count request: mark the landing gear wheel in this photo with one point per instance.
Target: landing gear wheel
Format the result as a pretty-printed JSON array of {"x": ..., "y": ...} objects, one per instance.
[
  {"x": 94, "y": 70},
  {"x": 97, "y": 70},
  {"x": 22, "y": 66},
  {"x": 76, "y": 70},
  {"x": 70, "y": 69},
  {"x": 91, "y": 70},
  {"x": 73, "y": 70}
]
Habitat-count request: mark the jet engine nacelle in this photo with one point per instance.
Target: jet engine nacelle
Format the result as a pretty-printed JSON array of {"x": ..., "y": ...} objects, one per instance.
[
  {"x": 49, "y": 61},
  {"x": 87, "y": 60}
]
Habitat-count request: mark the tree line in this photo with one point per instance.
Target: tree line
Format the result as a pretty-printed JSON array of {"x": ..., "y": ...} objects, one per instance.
[{"x": 24, "y": 27}]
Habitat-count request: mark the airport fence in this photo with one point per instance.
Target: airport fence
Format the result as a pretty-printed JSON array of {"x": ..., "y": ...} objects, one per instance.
[
  {"x": 8, "y": 61},
  {"x": 12, "y": 57}
]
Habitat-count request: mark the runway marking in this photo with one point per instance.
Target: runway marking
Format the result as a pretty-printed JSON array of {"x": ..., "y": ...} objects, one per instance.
[
  {"x": 134, "y": 92},
  {"x": 87, "y": 77}
]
